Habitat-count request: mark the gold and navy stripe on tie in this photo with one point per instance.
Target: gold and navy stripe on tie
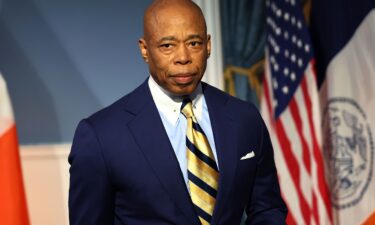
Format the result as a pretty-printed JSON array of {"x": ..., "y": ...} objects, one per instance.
[{"x": 203, "y": 173}]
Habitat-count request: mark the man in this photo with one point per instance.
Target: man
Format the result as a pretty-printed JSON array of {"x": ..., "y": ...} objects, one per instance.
[{"x": 142, "y": 161}]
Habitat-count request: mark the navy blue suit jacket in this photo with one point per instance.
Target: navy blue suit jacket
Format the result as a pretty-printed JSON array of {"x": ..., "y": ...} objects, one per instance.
[{"x": 124, "y": 170}]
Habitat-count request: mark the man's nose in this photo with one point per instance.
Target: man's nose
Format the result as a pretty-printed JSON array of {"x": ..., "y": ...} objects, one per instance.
[{"x": 183, "y": 55}]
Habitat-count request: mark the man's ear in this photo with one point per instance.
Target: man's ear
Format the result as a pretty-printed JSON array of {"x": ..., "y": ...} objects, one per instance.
[
  {"x": 142, "y": 44},
  {"x": 208, "y": 46}
]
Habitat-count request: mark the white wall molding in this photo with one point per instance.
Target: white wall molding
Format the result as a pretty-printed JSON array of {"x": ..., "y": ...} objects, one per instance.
[{"x": 45, "y": 151}]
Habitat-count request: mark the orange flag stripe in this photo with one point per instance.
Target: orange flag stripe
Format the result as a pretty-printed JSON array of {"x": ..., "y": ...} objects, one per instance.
[
  {"x": 370, "y": 220},
  {"x": 13, "y": 209}
]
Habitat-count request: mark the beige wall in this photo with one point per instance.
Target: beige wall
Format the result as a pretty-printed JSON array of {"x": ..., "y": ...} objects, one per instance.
[{"x": 46, "y": 180}]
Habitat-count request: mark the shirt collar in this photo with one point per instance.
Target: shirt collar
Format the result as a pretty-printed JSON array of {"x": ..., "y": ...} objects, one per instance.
[{"x": 169, "y": 105}]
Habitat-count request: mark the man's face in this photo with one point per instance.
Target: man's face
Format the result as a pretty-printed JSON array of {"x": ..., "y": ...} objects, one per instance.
[{"x": 176, "y": 47}]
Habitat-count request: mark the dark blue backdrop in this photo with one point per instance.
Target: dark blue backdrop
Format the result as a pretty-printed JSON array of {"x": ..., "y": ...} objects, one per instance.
[{"x": 63, "y": 60}]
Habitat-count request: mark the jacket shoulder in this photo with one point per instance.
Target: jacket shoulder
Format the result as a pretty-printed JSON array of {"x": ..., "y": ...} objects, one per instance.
[
  {"x": 237, "y": 106},
  {"x": 125, "y": 106}
]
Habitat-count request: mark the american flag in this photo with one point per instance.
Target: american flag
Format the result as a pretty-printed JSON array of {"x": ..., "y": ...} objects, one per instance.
[{"x": 290, "y": 108}]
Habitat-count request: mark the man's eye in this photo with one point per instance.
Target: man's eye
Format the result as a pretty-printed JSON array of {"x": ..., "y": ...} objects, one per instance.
[
  {"x": 166, "y": 46},
  {"x": 195, "y": 43}
]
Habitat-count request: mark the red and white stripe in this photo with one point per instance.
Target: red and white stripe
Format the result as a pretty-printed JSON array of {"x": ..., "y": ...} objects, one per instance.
[
  {"x": 13, "y": 210},
  {"x": 296, "y": 139}
]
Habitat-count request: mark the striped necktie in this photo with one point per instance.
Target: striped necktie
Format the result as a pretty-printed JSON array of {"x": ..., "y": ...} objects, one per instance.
[{"x": 203, "y": 173}]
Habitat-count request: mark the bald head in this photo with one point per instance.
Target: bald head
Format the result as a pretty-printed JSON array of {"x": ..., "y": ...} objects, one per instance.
[
  {"x": 175, "y": 45},
  {"x": 160, "y": 10}
]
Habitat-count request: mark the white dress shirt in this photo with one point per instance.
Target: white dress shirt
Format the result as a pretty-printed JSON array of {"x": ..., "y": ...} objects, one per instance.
[{"x": 175, "y": 123}]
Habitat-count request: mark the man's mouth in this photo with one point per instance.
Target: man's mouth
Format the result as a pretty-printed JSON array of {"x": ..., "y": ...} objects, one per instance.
[{"x": 183, "y": 78}]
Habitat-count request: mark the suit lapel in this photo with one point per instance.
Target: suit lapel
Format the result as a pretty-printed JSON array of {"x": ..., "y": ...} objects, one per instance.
[
  {"x": 224, "y": 130},
  {"x": 152, "y": 139}
]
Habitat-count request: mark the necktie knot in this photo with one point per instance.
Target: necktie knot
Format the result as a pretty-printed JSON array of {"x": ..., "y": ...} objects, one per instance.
[{"x": 186, "y": 108}]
